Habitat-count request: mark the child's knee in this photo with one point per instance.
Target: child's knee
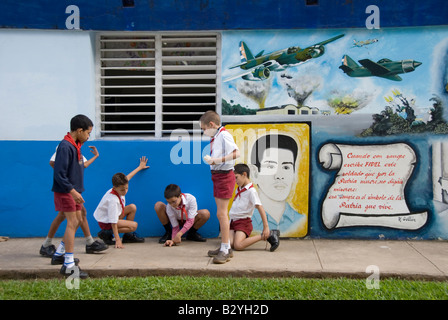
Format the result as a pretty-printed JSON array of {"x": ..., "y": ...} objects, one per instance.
[
  {"x": 204, "y": 214},
  {"x": 133, "y": 226},
  {"x": 132, "y": 208},
  {"x": 159, "y": 206}
]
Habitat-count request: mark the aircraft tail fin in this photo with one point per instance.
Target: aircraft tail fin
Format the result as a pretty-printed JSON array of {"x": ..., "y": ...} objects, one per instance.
[
  {"x": 348, "y": 64},
  {"x": 245, "y": 52}
]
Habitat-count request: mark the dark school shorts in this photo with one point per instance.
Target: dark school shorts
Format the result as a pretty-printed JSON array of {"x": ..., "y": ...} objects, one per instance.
[
  {"x": 64, "y": 202},
  {"x": 223, "y": 184},
  {"x": 244, "y": 225}
]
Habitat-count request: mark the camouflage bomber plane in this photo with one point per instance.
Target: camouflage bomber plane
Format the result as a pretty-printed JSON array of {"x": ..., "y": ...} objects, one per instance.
[{"x": 259, "y": 67}]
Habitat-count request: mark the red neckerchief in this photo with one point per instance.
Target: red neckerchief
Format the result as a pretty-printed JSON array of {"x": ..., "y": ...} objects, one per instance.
[
  {"x": 121, "y": 202},
  {"x": 211, "y": 142},
  {"x": 183, "y": 211},
  {"x": 239, "y": 191},
  {"x": 78, "y": 145}
]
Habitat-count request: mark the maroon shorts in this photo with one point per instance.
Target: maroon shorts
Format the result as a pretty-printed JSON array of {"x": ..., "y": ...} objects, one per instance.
[
  {"x": 105, "y": 226},
  {"x": 244, "y": 225},
  {"x": 223, "y": 184},
  {"x": 64, "y": 202}
]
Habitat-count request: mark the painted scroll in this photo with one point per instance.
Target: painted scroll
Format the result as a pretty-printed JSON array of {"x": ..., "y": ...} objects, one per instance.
[{"x": 369, "y": 187}]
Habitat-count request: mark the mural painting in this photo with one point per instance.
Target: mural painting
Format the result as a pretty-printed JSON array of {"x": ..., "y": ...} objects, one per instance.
[
  {"x": 375, "y": 100},
  {"x": 278, "y": 157}
]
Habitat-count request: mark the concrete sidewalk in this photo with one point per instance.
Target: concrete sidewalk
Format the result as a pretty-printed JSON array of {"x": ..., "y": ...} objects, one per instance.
[{"x": 317, "y": 258}]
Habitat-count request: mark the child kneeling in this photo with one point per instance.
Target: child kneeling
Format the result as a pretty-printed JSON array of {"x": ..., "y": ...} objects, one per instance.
[{"x": 245, "y": 201}]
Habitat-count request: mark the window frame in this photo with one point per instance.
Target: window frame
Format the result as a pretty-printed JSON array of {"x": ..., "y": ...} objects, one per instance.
[{"x": 159, "y": 132}]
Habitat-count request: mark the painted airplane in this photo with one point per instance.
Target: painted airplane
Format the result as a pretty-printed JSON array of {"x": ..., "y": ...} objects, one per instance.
[
  {"x": 259, "y": 67},
  {"x": 384, "y": 68},
  {"x": 363, "y": 43}
]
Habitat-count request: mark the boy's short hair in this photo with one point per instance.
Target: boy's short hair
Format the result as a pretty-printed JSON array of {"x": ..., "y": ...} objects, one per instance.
[
  {"x": 212, "y": 116},
  {"x": 172, "y": 190},
  {"x": 280, "y": 141},
  {"x": 119, "y": 179},
  {"x": 240, "y": 168},
  {"x": 80, "y": 121}
]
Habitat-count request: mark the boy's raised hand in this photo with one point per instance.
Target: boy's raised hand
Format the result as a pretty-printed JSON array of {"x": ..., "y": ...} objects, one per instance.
[{"x": 143, "y": 162}]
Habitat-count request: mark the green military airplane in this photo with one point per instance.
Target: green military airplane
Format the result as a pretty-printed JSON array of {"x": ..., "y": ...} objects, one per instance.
[
  {"x": 259, "y": 67},
  {"x": 384, "y": 68}
]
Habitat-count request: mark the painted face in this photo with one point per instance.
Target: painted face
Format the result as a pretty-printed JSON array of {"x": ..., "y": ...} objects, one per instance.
[
  {"x": 174, "y": 201},
  {"x": 122, "y": 190},
  {"x": 276, "y": 174}
]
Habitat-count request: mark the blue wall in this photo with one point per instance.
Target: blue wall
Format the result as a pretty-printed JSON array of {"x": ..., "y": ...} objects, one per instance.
[
  {"x": 26, "y": 200},
  {"x": 219, "y": 14}
]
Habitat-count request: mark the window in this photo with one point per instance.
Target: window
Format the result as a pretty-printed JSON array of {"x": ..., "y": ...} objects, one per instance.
[{"x": 153, "y": 83}]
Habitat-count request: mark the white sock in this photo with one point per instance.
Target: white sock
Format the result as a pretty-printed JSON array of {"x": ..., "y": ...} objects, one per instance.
[
  {"x": 225, "y": 247},
  {"x": 47, "y": 242},
  {"x": 89, "y": 240},
  {"x": 60, "y": 250},
  {"x": 69, "y": 261}
]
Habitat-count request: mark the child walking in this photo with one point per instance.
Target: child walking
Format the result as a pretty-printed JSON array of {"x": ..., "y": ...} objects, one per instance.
[
  {"x": 112, "y": 210},
  {"x": 223, "y": 152},
  {"x": 68, "y": 184}
]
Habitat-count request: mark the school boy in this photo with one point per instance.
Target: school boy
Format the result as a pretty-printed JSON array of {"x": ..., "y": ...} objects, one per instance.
[
  {"x": 68, "y": 184},
  {"x": 181, "y": 216},
  {"x": 112, "y": 210},
  {"x": 223, "y": 152},
  {"x": 48, "y": 249},
  {"x": 245, "y": 201}
]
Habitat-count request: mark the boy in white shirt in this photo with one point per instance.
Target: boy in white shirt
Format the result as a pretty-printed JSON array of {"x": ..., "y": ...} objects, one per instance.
[
  {"x": 245, "y": 201},
  {"x": 180, "y": 216},
  {"x": 223, "y": 152},
  {"x": 112, "y": 210}
]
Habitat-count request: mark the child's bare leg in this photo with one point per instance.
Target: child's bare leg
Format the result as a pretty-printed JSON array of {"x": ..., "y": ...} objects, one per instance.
[
  {"x": 129, "y": 212},
  {"x": 84, "y": 224},
  {"x": 73, "y": 221},
  {"x": 55, "y": 224},
  {"x": 160, "y": 209},
  {"x": 126, "y": 226},
  {"x": 201, "y": 218},
  {"x": 241, "y": 241},
  {"x": 223, "y": 219}
]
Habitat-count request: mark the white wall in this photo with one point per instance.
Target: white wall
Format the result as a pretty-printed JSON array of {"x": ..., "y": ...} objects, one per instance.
[{"x": 46, "y": 77}]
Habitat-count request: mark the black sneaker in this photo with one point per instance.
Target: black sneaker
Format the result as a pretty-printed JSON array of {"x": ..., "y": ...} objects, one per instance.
[
  {"x": 60, "y": 259},
  {"x": 75, "y": 270},
  {"x": 106, "y": 236},
  {"x": 274, "y": 239},
  {"x": 96, "y": 246},
  {"x": 48, "y": 251},
  {"x": 195, "y": 236},
  {"x": 166, "y": 236},
  {"x": 132, "y": 237},
  {"x": 57, "y": 259}
]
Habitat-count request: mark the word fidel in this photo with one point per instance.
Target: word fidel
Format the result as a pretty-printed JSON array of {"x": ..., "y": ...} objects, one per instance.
[{"x": 188, "y": 145}]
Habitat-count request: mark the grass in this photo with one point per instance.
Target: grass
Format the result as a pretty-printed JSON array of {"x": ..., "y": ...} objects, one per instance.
[{"x": 210, "y": 288}]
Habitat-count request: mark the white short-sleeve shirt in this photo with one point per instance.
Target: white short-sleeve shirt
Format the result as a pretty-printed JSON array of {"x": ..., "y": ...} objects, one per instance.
[
  {"x": 109, "y": 209},
  {"x": 243, "y": 205},
  {"x": 176, "y": 214},
  {"x": 223, "y": 144}
]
